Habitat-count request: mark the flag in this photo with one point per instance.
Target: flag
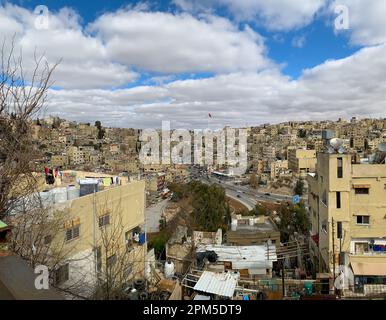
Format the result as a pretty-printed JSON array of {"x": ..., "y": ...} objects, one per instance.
[{"x": 210, "y": 116}]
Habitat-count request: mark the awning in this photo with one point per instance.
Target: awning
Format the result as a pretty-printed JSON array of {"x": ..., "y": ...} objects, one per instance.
[
  {"x": 361, "y": 186},
  {"x": 368, "y": 268}
]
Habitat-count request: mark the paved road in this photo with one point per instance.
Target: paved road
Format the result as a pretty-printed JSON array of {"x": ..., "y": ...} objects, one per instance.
[
  {"x": 153, "y": 215},
  {"x": 245, "y": 194}
]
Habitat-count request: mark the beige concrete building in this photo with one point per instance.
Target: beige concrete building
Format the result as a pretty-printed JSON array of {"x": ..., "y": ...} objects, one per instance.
[
  {"x": 102, "y": 233},
  {"x": 252, "y": 230},
  {"x": 60, "y": 160},
  {"x": 277, "y": 167},
  {"x": 347, "y": 203},
  {"x": 301, "y": 161},
  {"x": 75, "y": 156}
]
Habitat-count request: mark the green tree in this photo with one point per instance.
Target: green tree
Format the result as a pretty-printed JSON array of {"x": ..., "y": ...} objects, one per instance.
[
  {"x": 209, "y": 203},
  {"x": 293, "y": 218},
  {"x": 302, "y": 133},
  {"x": 259, "y": 210},
  {"x": 299, "y": 187},
  {"x": 101, "y": 131}
]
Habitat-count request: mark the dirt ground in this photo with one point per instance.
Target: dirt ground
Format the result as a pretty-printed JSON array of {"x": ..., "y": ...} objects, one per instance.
[{"x": 237, "y": 206}]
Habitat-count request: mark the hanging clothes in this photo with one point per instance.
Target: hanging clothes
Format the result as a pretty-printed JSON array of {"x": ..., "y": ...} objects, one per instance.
[{"x": 106, "y": 182}]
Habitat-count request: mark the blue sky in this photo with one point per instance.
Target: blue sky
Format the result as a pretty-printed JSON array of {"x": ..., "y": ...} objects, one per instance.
[
  {"x": 136, "y": 63},
  {"x": 321, "y": 43}
]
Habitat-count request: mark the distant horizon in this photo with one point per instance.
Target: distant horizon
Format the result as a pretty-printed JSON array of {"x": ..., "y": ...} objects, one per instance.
[{"x": 235, "y": 127}]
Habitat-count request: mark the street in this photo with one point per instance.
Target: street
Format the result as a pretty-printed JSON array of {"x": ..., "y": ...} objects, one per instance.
[{"x": 153, "y": 215}]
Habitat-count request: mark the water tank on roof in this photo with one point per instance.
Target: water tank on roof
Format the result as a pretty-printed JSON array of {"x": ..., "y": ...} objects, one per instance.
[
  {"x": 234, "y": 225},
  {"x": 47, "y": 198},
  {"x": 60, "y": 195},
  {"x": 169, "y": 269},
  {"x": 73, "y": 193},
  {"x": 88, "y": 186}
]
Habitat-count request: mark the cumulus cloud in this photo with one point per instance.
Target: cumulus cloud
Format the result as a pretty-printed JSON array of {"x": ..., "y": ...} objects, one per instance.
[
  {"x": 242, "y": 86},
  {"x": 84, "y": 62},
  {"x": 367, "y": 22},
  {"x": 104, "y": 53},
  {"x": 274, "y": 14},
  {"x": 337, "y": 88},
  {"x": 168, "y": 43}
]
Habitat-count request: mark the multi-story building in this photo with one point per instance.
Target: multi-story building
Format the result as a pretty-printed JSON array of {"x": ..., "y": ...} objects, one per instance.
[
  {"x": 59, "y": 161},
  {"x": 103, "y": 234},
  {"x": 301, "y": 161},
  {"x": 347, "y": 203},
  {"x": 75, "y": 156},
  {"x": 277, "y": 167}
]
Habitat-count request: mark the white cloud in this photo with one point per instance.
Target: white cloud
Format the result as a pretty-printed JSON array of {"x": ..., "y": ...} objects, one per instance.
[
  {"x": 84, "y": 60},
  {"x": 337, "y": 88},
  {"x": 104, "y": 53},
  {"x": 245, "y": 88},
  {"x": 167, "y": 43},
  {"x": 367, "y": 20},
  {"x": 274, "y": 14}
]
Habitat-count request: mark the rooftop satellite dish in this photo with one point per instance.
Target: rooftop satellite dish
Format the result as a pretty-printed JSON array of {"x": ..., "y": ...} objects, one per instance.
[
  {"x": 336, "y": 143},
  {"x": 382, "y": 147},
  {"x": 341, "y": 150}
]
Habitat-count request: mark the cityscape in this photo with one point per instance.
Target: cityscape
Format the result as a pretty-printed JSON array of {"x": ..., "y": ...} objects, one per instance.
[{"x": 193, "y": 163}]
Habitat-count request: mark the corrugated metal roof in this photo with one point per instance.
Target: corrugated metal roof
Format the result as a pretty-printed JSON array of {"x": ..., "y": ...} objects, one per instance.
[{"x": 222, "y": 284}]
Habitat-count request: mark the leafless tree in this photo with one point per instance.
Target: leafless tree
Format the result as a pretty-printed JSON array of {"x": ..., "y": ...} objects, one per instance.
[
  {"x": 22, "y": 96},
  {"x": 120, "y": 255}
]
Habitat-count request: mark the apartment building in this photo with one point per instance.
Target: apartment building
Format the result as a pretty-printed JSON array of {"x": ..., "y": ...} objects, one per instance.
[
  {"x": 278, "y": 167},
  {"x": 59, "y": 160},
  {"x": 75, "y": 156},
  {"x": 347, "y": 203},
  {"x": 358, "y": 142},
  {"x": 301, "y": 161},
  {"x": 102, "y": 235},
  {"x": 269, "y": 153}
]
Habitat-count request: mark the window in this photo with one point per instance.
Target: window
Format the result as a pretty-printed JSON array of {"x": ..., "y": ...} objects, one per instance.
[
  {"x": 104, "y": 220},
  {"x": 62, "y": 274},
  {"x": 363, "y": 219},
  {"x": 361, "y": 247},
  {"x": 72, "y": 233},
  {"x": 110, "y": 262},
  {"x": 340, "y": 168},
  {"x": 338, "y": 204},
  {"x": 361, "y": 190}
]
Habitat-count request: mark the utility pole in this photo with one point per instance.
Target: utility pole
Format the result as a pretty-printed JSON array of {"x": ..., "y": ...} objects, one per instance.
[
  {"x": 282, "y": 277},
  {"x": 94, "y": 233},
  {"x": 333, "y": 250}
]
